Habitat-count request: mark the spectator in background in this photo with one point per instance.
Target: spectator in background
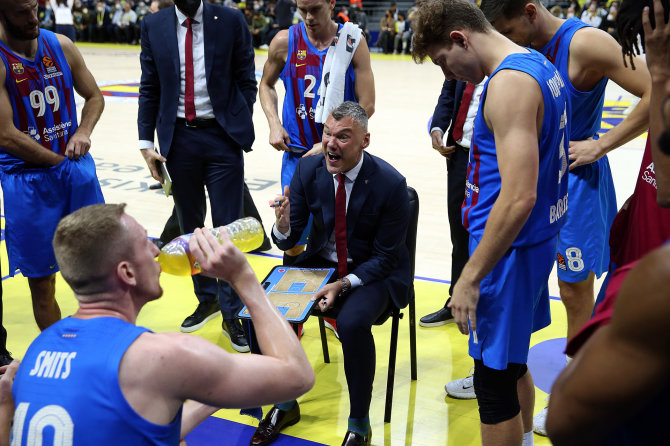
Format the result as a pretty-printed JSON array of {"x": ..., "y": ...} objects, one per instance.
[
  {"x": 258, "y": 28},
  {"x": 608, "y": 24},
  {"x": 591, "y": 16},
  {"x": 157, "y": 5},
  {"x": 127, "y": 31},
  {"x": 403, "y": 33},
  {"x": 117, "y": 12},
  {"x": 102, "y": 23},
  {"x": 557, "y": 11},
  {"x": 343, "y": 15},
  {"x": 394, "y": 10},
  {"x": 273, "y": 27},
  {"x": 571, "y": 12},
  {"x": 141, "y": 11},
  {"x": 284, "y": 13},
  {"x": 63, "y": 18},
  {"x": 386, "y": 32},
  {"x": 359, "y": 17}
]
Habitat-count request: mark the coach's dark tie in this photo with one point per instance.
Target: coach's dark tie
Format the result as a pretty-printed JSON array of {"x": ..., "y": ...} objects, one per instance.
[
  {"x": 463, "y": 112},
  {"x": 189, "y": 104},
  {"x": 341, "y": 226}
]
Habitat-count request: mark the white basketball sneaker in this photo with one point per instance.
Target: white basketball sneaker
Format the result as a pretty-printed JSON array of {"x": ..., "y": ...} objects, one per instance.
[
  {"x": 539, "y": 422},
  {"x": 463, "y": 388}
]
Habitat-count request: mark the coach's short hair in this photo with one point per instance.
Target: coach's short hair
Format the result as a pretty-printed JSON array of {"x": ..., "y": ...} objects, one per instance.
[
  {"x": 89, "y": 243},
  {"x": 436, "y": 19},
  {"x": 353, "y": 110},
  {"x": 494, "y": 9}
]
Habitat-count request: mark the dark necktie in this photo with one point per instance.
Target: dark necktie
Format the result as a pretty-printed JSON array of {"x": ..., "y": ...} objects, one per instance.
[
  {"x": 341, "y": 226},
  {"x": 463, "y": 112},
  {"x": 189, "y": 104}
]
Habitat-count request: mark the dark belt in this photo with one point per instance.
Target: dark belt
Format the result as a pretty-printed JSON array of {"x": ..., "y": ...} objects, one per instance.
[
  {"x": 197, "y": 123},
  {"x": 465, "y": 149}
]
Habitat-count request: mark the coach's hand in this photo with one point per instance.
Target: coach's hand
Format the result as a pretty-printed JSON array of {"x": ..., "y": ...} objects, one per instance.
[
  {"x": 437, "y": 138},
  {"x": 151, "y": 156},
  {"x": 464, "y": 304}
]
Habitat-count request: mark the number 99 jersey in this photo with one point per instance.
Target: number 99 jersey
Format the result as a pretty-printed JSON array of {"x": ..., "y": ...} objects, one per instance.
[
  {"x": 41, "y": 95},
  {"x": 302, "y": 77}
]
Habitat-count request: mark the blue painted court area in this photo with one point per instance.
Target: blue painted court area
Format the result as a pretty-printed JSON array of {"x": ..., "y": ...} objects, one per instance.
[
  {"x": 218, "y": 431},
  {"x": 546, "y": 360}
]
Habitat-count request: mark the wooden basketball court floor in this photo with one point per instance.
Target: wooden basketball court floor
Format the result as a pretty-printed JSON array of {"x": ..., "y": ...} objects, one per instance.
[{"x": 406, "y": 95}]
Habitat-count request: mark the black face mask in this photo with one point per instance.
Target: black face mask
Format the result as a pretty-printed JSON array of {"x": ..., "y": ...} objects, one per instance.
[{"x": 188, "y": 7}]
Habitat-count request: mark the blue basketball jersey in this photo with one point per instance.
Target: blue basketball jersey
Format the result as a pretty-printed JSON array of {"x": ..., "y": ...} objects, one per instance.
[
  {"x": 302, "y": 77},
  {"x": 483, "y": 179},
  {"x": 67, "y": 390},
  {"x": 586, "y": 106},
  {"x": 42, "y": 96}
]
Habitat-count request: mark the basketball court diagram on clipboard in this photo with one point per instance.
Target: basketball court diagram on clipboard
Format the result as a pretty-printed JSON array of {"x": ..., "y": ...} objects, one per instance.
[{"x": 291, "y": 289}]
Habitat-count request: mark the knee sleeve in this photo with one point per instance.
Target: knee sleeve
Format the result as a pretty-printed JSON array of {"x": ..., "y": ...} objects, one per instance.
[{"x": 497, "y": 391}]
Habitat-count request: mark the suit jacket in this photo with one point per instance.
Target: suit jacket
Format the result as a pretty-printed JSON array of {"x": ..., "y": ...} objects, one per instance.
[
  {"x": 229, "y": 67},
  {"x": 447, "y": 108},
  {"x": 377, "y": 219}
]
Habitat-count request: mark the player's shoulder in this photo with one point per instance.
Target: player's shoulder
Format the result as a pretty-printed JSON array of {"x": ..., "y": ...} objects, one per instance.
[
  {"x": 279, "y": 43},
  {"x": 588, "y": 43}
]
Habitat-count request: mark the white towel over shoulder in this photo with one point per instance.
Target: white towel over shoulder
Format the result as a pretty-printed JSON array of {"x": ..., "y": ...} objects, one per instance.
[{"x": 338, "y": 58}]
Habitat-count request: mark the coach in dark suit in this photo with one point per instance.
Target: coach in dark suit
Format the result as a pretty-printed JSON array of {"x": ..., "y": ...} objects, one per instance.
[
  {"x": 444, "y": 117},
  {"x": 369, "y": 252},
  {"x": 197, "y": 92}
]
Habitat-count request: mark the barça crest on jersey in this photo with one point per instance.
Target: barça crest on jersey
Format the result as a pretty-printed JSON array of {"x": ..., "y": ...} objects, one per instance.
[
  {"x": 17, "y": 68},
  {"x": 302, "y": 54}
]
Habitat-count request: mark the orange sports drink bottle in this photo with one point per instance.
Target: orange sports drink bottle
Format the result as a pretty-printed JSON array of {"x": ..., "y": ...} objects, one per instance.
[{"x": 176, "y": 258}]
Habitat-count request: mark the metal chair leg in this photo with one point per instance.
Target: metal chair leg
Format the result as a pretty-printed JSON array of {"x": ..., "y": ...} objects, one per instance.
[
  {"x": 324, "y": 341},
  {"x": 391, "y": 372}
]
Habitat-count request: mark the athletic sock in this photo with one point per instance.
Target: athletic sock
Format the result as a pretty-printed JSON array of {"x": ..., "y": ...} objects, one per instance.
[
  {"x": 360, "y": 425},
  {"x": 528, "y": 439},
  {"x": 285, "y": 407}
]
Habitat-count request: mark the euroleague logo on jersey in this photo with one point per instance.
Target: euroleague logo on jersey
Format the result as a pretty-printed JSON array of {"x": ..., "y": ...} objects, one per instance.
[
  {"x": 52, "y": 69},
  {"x": 561, "y": 262}
]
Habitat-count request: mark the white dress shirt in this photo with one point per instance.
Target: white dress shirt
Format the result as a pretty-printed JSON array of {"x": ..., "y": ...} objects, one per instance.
[
  {"x": 203, "y": 105},
  {"x": 469, "y": 124},
  {"x": 329, "y": 252}
]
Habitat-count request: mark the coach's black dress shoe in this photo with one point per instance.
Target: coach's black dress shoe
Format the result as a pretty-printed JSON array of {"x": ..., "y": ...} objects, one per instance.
[
  {"x": 354, "y": 439},
  {"x": 276, "y": 420}
]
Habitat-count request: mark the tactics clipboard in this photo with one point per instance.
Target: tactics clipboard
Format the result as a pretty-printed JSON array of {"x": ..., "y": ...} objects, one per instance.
[{"x": 290, "y": 289}]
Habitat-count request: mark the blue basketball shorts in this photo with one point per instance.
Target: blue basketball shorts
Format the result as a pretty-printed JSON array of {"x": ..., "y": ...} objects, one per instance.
[
  {"x": 35, "y": 201},
  {"x": 513, "y": 303},
  {"x": 583, "y": 242},
  {"x": 288, "y": 165}
]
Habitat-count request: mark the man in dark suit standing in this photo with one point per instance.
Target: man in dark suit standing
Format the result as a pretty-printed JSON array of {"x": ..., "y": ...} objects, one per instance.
[
  {"x": 360, "y": 214},
  {"x": 457, "y": 115},
  {"x": 197, "y": 92}
]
